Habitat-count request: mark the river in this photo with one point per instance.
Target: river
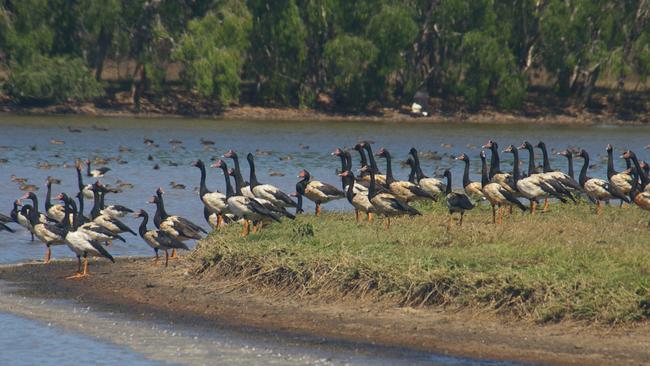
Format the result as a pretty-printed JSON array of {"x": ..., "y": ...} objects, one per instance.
[{"x": 38, "y": 147}]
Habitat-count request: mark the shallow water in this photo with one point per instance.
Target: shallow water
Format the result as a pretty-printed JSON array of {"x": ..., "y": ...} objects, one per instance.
[{"x": 281, "y": 147}]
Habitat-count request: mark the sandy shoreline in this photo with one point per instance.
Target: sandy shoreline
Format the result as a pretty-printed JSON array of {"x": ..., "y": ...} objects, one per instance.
[
  {"x": 246, "y": 112},
  {"x": 134, "y": 286}
]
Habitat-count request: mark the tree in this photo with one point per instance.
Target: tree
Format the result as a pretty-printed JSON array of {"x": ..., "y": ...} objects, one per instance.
[{"x": 213, "y": 51}]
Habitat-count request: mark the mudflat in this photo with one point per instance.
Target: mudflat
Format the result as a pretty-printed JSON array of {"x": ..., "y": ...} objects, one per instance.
[{"x": 136, "y": 287}]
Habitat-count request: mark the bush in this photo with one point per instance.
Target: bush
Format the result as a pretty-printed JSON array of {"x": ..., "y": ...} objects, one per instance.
[{"x": 51, "y": 79}]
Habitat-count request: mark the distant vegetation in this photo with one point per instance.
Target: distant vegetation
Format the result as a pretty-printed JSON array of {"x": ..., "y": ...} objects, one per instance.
[{"x": 359, "y": 53}]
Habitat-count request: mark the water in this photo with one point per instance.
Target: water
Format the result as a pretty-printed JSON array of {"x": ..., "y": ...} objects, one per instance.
[{"x": 279, "y": 146}]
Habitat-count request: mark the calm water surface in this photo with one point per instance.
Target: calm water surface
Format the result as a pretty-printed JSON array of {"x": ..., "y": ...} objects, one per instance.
[{"x": 280, "y": 147}]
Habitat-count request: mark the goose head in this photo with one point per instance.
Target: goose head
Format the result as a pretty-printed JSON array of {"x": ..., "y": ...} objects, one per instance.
[
  {"x": 220, "y": 164},
  {"x": 447, "y": 173},
  {"x": 159, "y": 192},
  {"x": 304, "y": 174},
  {"x": 140, "y": 213},
  {"x": 230, "y": 154},
  {"x": 250, "y": 157},
  {"x": 337, "y": 152},
  {"x": 28, "y": 196},
  {"x": 565, "y": 153},
  {"x": 609, "y": 148},
  {"x": 462, "y": 157},
  {"x": 490, "y": 145},
  {"x": 525, "y": 145},
  {"x": 382, "y": 153},
  {"x": 509, "y": 149},
  {"x": 541, "y": 145},
  {"x": 583, "y": 154},
  {"x": 628, "y": 155},
  {"x": 346, "y": 173},
  {"x": 198, "y": 164}
]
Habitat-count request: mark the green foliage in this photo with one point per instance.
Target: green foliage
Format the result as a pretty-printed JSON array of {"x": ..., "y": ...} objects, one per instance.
[
  {"x": 348, "y": 59},
  {"x": 213, "y": 50},
  {"x": 47, "y": 79}
]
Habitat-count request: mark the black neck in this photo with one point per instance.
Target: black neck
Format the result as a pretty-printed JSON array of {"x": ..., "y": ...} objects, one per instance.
[
  {"x": 88, "y": 169},
  {"x": 143, "y": 225},
  {"x": 80, "y": 181},
  {"x": 412, "y": 173},
  {"x": 362, "y": 157},
  {"x": 531, "y": 160},
  {"x": 610, "y": 163},
  {"x": 253, "y": 177},
  {"x": 229, "y": 191},
  {"x": 583, "y": 171},
  {"x": 570, "y": 164},
  {"x": 238, "y": 176},
  {"x": 75, "y": 215},
  {"x": 65, "y": 224},
  {"x": 348, "y": 161},
  {"x": 418, "y": 170},
  {"x": 466, "y": 180},
  {"x": 203, "y": 189},
  {"x": 515, "y": 167},
  {"x": 94, "y": 212},
  {"x": 372, "y": 189},
  {"x": 344, "y": 162},
  {"x": 34, "y": 215},
  {"x": 48, "y": 197},
  {"x": 484, "y": 172},
  {"x": 495, "y": 163},
  {"x": 546, "y": 162},
  {"x": 349, "y": 194},
  {"x": 389, "y": 169},
  {"x": 628, "y": 163},
  {"x": 371, "y": 158}
]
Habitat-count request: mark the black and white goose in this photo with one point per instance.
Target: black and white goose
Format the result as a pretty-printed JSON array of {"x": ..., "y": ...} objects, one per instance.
[
  {"x": 380, "y": 179},
  {"x": 622, "y": 182},
  {"x": 95, "y": 173},
  {"x": 214, "y": 202},
  {"x": 267, "y": 191},
  {"x": 316, "y": 191},
  {"x": 496, "y": 194},
  {"x": 94, "y": 230},
  {"x": 20, "y": 215},
  {"x": 245, "y": 187},
  {"x": 387, "y": 204},
  {"x": 280, "y": 210},
  {"x": 50, "y": 233},
  {"x": 102, "y": 219},
  {"x": 472, "y": 189},
  {"x": 533, "y": 187},
  {"x": 457, "y": 202},
  {"x": 358, "y": 200},
  {"x": 114, "y": 211},
  {"x": 495, "y": 174},
  {"x": 174, "y": 225},
  {"x": 53, "y": 211},
  {"x": 241, "y": 206},
  {"x": 346, "y": 165},
  {"x": 598, "y": 190},
  {"x": 431, "y": 185},
  {"x": 566, "y": 180},
  {"x": 640, "y": 169},
  {"x": 87, "y": 189},
  {"x": 157, "y": 239},
  {"x": 80, "y": 242},
  {"x": 404, "y": 190}
]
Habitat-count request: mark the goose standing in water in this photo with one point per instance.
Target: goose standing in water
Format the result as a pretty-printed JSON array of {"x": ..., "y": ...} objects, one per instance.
[
  {"x": 404, "y": 190},
  {"x": 214, "y": 202},
  {"x": 495, "y": 193},
  {"x": 456, "y": 202},
  {"x": 245, "y": 187},
  {"x": 597, "y": 190},
  {"x": 241, "y": 206},
  {"x": 387, "y": 204},
  {"x": 95, "y": 173},
  {"x": 473, "y": 189},
  {"x": 267, "y": 191},
  {"x": 316, "y": 191},
  {"x": 157, "y": 239},
  {"x": 621, "y": 182},
  {"x": 80, "y": 242},
  {"x": 48, "y": 233},
  {"x": 432, "y": 186},
  {"x": 358, "y": 200}
]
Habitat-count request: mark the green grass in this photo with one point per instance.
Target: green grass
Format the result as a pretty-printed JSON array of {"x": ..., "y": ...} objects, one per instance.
[{"x": 568, "y": 264}]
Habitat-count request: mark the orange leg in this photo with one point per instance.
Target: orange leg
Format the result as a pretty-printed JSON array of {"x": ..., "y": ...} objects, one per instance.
[
  {"x": 451, "y": 219},
  {"x": 545, "y": 205},
  {"x": 317, "y": 208},
  {"x": 155, "y": 259},
  {"x": 598, "y": 207},
  {"x": 460, "y": 223},
  {"x": 500, "y": 215},
  {"x": 388, "y": 222},
  {"x": 370, "y": 216},
  {"x": 48, "y": 255},
  {"x": 533, "y": 207},
  {"x": 173, "y": 256},
  {"x": 356, "y": 214},
  {"x": 80, "y": 275},
  {"x": 244, "y": 231},
  {"x": 219, "y": 221}
]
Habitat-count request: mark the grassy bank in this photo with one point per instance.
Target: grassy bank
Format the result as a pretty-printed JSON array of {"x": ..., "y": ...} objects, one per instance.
[{"x": 567, "y": 264}]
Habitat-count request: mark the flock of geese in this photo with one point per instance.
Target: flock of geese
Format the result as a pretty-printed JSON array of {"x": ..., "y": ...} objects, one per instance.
[{"x": 254, "y": 204}]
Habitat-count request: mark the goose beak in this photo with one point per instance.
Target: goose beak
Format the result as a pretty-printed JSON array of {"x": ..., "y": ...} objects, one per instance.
[
  {"x": 25, "y": 196},
  {"x": 152, "y": 200},
  {"x": 522, "y": 146}
]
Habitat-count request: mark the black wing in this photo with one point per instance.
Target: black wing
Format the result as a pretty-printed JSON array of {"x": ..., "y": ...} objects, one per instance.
[{"x": 101, "y": 250}]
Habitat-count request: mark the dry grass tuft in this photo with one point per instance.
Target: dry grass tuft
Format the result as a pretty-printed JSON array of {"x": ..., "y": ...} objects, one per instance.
[{"x": 568, "y": 264}]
